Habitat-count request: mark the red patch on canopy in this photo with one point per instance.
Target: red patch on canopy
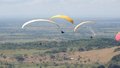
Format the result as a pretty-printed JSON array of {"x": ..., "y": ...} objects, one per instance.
[{"x": 117, "y": 37}]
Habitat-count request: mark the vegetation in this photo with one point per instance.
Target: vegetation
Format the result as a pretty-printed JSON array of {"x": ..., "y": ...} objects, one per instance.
[
  {"x": 86, "y": 44},
  {"x": 49, "y": 48},
  {"x": 115, "y": 60}
]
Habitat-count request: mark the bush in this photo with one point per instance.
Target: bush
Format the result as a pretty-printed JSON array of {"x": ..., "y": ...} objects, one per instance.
[
  {"x": 113, "y": 66},
  {"x": 20, "y": 58},
  {"x": 101, "y": 66},
  {"x": 116, "y": 58}
]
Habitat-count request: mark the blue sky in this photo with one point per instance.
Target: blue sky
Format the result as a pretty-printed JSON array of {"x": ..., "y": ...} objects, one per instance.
[{"x": 47, "y": 8}]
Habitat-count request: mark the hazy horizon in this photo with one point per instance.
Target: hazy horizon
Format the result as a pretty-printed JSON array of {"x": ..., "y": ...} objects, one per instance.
[{"x": 105, "y": 9}]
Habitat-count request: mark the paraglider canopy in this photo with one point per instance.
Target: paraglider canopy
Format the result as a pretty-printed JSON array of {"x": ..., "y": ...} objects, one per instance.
[
  {"x": 117, "y": 37},
  {"x": 63, "y": 17},
  {"x": 41, "y": 20},
  {"x": 82, "y": 23}
]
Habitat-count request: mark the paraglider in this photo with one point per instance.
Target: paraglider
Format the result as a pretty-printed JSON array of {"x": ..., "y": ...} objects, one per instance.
[
  {"x": 84, "y": 22},
  {"x": 41, "y": 20},
  {"x": 93, "y": 32},
  {"x": 91, "y": 37},
  {"x": 63, "y": 17},
  {"x": 62, "y": 32},
  {"x": 117, "y": 37}
]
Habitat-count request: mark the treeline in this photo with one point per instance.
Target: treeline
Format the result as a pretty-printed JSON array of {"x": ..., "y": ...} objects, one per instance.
[{"x": 82, "y": 44}]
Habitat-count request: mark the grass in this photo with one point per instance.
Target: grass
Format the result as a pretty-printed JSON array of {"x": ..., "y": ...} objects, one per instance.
[{"x": 22, "y": 52}]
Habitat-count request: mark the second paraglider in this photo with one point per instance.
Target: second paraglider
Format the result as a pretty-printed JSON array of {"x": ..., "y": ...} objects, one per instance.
[{"x": 80, "y": 24}]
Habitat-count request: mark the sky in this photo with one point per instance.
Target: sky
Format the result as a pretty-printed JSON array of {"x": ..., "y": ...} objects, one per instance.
[{"x": 47, "y": 8}]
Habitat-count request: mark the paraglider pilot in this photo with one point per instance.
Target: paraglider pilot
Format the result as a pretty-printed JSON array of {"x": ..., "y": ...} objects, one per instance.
[
  {"x": 62, "y": 32},
  {"x": 91, "y": 37}
]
